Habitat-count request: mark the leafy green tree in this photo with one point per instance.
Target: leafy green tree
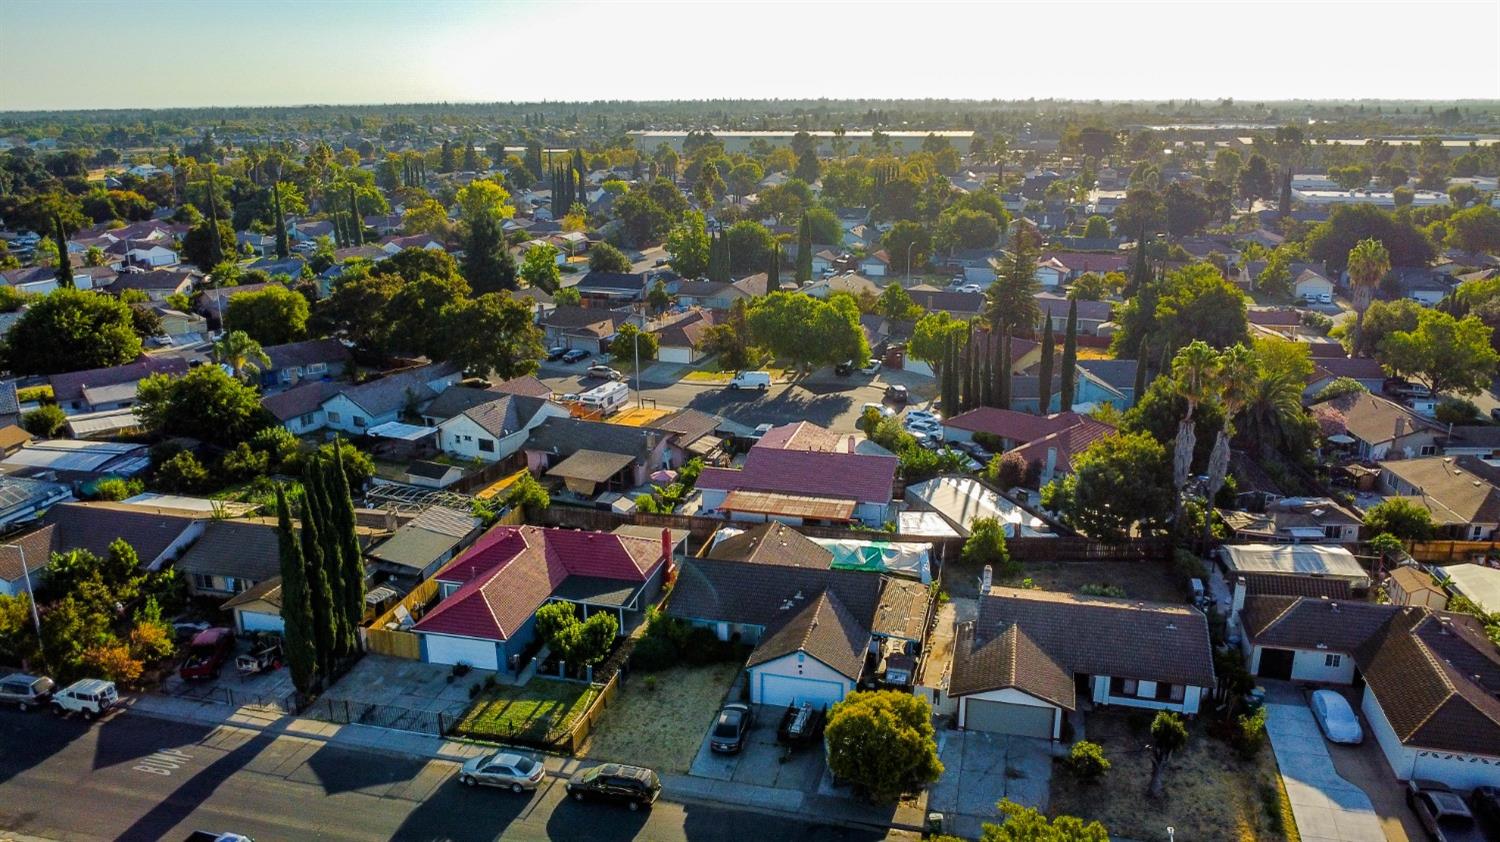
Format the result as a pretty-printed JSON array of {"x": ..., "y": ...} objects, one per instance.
[
  {"x": 205, "y": 404},
  {"x": 46, "y": 421},
  {"x": 96, "y": 330},
  {"x": 1255, "y": 180},
  {"x": 931, "y": 338},
  {"x": 1087, "y": 761},
  {"x": 750, "y": 245},
  {"x": 201, "y": 248},
  {"x": 606, "y": 258},
  {"x": 283, "y": 244},
  {"x": 657, "y": 298},
  {"x": 488, "y": 266},
  {"x": 491, "y": 333},
  {"x": 896, "y": 303},
  {"x": 528, "y": 495},
  {"x": 1097, "y": 227},
  {"x": 645, "y": 220},
  {"x": 882, "y": 741},
  {"x": 1443, "y": 353},
  {"x": 567, "y": 297},
  {"x": 629, "y": 341},
  {"x": 1026, "y": 824},
  {"x": 1475, "y": 229},
  {"x": 825, "y": 225},
  {"x": 1010, "y": 302},
  {"x": 1168, "y": 736},
  {"x": 583, "y": 643},
  {"x": 299, "y": 642},
  {"x": 801, "y": 329},
  {"x": 986, "y": 545},
  {"x": 1121, "y": 485},
  {"x": 688, "y": 244},
  {"x": 907, "y": 240},
  {"x": 539, "y": 267},
  {"x": 183, "y": 474},
  {"x": 960, "y": 228},
  {"x": 1400, "y": 517},
  {"x": 1331, "y": 241}
]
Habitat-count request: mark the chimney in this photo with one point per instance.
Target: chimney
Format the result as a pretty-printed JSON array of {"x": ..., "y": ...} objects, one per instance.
[
  {"x": 1400, "y": 426},
  {"x": 986, "y": 580},
  {"x": 1050, "y": 468},
  {"x": 1237, "y": 601}
]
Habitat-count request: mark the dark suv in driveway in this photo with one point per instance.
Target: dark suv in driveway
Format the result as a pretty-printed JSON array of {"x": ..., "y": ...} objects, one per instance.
[
  {"x": 731, "y": 728},
  {"x": 631, "y": 785}
]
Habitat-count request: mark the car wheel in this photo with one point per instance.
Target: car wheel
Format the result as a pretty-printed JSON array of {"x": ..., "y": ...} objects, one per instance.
[
  {"x": 88, "y": 715},
  {"x": 466, "y": 780},
  {"x": 733, "y": 387},
  {"x": 517, "y": 788},
  {"x": 578, "y": 796},
  {"x": 762, "y": 387},
  {"x": 57, "y": 710}
]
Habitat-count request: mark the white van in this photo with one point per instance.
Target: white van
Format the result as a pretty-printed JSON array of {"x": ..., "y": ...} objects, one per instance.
[
  {"x": 760, "y": 380},
  {"x": 607, "y": 398}
]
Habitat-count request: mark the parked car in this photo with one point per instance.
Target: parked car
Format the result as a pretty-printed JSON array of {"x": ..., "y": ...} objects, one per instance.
[
  {"x": 575, "y": 355},
  {"x": 759, "y": 380},
  {"x": 872, "y": 369},
  {"x": 1486, "y": 806},
  {"x": 510, "y": 769},
  {"x": 971, "y": 288},
  {"x": 844, "y": 369},
  {"x": 1443, "y": 813},
  {"x": 26, "y": 691},
  {"x": 881, "y": 408},
  {"x": 634, "y": 786},
  {"x": 605, "y": 372},
  {"x": 731, "y": 728},
  {"x": 556, "y": 352},
  {"x": 207, "y": 652},
  {"x": 923, "y": 415},
  {"x": 895, "y": 393},
  {"x": 89, "y": 697},
  {"x": 1335, "y": 717},
  {"x": 975, "y": 450}
]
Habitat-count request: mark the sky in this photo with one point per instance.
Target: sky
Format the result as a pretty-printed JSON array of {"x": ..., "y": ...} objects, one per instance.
[{"x": 67, "y": 54}]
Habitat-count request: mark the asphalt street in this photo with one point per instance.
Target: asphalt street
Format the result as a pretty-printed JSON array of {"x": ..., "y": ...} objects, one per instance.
[{"x": 132, "y": 777}]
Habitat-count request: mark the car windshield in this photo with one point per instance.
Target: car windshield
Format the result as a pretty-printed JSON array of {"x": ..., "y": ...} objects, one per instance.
[
  {"x": 524, "y": 765},
  {"x": 729, "y": 724}
]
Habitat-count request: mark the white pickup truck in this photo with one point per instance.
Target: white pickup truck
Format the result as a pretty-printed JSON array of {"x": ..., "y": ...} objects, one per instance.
[{"x": 90, "y": 697}]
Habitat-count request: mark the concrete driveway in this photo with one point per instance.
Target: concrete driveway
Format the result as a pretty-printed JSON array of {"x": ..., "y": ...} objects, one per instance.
[
  {"x": 762, "y": 762},
  {"x": 1327, "y": 807},
  {"x": 979, "y": 769}
]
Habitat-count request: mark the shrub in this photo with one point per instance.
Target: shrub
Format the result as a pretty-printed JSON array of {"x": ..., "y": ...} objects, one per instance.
[
  {"x": 113, "y": 661},
  {"x": 40, "y": 394},
  {"x": 986, "y": 545},
  {"x": 1087, "y": 761},
  {"x": 1188, "y": 565},
  {"x": 116, "y": 488},
  {"x": 182, "y": 473},
  {"x": 1249, "y": 734},
  {"x": 1008, "y": 470},
  {"x": 1101, "y": 589},
  {"x": 45, "y": 421},
  {"x": 1337, "y": 388},
  {"x": 245, "y": 462},
  {"x": 1456, "y": 411}
]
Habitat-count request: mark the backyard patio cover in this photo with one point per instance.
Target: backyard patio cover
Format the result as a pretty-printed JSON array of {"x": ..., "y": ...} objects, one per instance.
[
  {"x": 398, "y": 430},
  {"x": 591, "y": 466},
  {"x": 789, "y": 505}
]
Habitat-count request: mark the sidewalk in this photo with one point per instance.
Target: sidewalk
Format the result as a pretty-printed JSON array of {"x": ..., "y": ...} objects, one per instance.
[{"x": 405, "y": 743}]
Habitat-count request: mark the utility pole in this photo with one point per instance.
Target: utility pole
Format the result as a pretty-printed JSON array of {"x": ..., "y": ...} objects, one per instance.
[
  {"x": 36, "y": 618},
  {"x": 908, "y": 261},
  {"x": 640, "y": 403}
]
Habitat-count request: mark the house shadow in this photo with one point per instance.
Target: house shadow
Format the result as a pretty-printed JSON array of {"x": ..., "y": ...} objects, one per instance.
[
  {"x": 597, "y": 822},
  {"x": 122, "y": 738},
  {"x": 30, "y": 739},
  {"x": 704, "y": 823},
  {"x": 455, "y": 813},
  {"x": 794, "y": 404},
  {"x": 174, "y": 808},
  {"x": 340, "y": 770}
]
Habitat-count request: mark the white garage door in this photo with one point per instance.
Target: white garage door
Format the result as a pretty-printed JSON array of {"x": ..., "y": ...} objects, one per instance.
[
  {"x": 1007, "y": 718},
  {"x": 782, "y": 690},
  {"x": 480, "y": 654},
  {"x": 675, "y": 355},
  {"x": 253, "y": 621}
]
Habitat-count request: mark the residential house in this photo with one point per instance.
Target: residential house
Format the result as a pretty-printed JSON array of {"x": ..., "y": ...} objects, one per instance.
[
  {"x": 1365, "y": 370},
  {"x": 1022, "y": 665},
  {"x": 80, "y": 464},
  {"x": 1311, "y": 285},
  {"x": 717, "y": 295},
  {"x": 1051, "y": 273},
  {"x": 109, "y": 388},
  {"x": 1295, "y": 520},
  {"x": 24, "y": 558},
  {"x": 395, "y": 245},
  {"x": 1053, "y": 454},
  {"x": 425, "y": 543},
  {"x": 961, "y": 500},
  {"x": 231, "y": 556},
  {"x": 805, "y": 435},
  {"x": 12, "y": 439},
  {"x": 1382, "y": 428},
  {"x": 355, "y": 409},
  {"x": 257, "y": 609},
  {"x": 798, "y": 486},
  {"x": 876, "y": 265},
  {"x": 213, "y": 302},
  {"x": 490, "y": 593},
  {"x": 824, "y": 260},
  {"x": 1427, "y": 676},
  {"x": 1477, "y": 582},
  {"x": 694, "y": 435},
  {"x": 1091, "y": 314},
  {"x": 1116, "y": 376},
  {"x": 157, "y": 536},
  {"x": 1478, "y": 440},
  {"x": 976, "y": 266},
  {"x": 300, "y": 408},
  {"x": 23, "y": 500},
  {"x": 681, "y": 340},
  {"x": 493, "y": 430},
  {"x": 813, "y": 627},
  {"x": 613, "y": 289},
  {"x": 1458, "y": 491},
  {"x": 586, "y": 328},
  {"x": 959, "y": 305},
  {"x": 1421, "y": 284},
  {"x": 157, "y": 284},
  {"x": 10, "y": 407},
  {"x": 856, "y": 285},
  {"x": 1078, "y": 263},
  {"x": 311, "y": 359},
  {"x": 588, "y": 455}
]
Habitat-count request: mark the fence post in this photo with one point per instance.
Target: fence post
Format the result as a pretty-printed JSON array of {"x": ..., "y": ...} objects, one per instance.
[{"x": 441, "y": 729}]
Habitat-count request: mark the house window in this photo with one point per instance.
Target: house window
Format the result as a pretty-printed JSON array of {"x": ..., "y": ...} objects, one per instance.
[
  {"x": 1476, "y": 531},
  {"x": 1429, "y": 450},
  {"x": 307, "y": 419},
  {"x": 1332, "y": 661},
  {"x": 1163, "y": 691},
  {"x": 1333, "y": 532},
  {"x": 1177, "y": 693},
  {"x": 317, "y": 368},
  {"x": 204, "y": 582},
  {"x": 1122, "y": 686},
  {"x": 359, "y": 421},
  {"x": 487, "y": 445},
  {"x": 334, "y": 417}
]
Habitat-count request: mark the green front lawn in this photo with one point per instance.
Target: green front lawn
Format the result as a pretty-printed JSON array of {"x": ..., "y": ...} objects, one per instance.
[{"x": 542, "y": 710}]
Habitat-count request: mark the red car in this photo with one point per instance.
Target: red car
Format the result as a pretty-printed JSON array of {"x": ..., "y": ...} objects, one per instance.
[{"x": 207, "y": 652}]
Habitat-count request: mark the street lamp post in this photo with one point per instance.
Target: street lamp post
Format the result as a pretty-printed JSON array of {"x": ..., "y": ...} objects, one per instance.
[
  {"x": 36, "y": 618},
  {"x": 908, "y": 261}
]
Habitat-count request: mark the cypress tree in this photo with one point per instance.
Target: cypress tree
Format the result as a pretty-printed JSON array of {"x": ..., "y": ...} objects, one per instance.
[
  {"x": 971, "y": 371},
  {"x": 1141, "y": 272},
  {"x": 298, "y": 641},
  {"x": 773, "y": 271},
  {"x": 213, "y": 219},
  {"x": 316, "y": 484},
  {"x": 1044, "y": 374},
  {"x": 341, "y": 503},
  {"x": 986, "y": 380},
  {"x": 1140, "y": 371},
  {"x": 804, "y": 250},
  {"x": 356, "y": 224},
  {"x": 283, "y": 246},
  {"x": 1005, "y": 369},
  {"x": 1070, "y": 358},
  {"x": 64, "y": 264},
  {"x": 320, "y": 588}
]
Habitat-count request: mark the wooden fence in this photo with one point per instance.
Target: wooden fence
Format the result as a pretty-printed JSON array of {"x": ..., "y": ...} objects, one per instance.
[
  {"x": 572, "y": 742},
  {"x": 395, "y": 642},
  {"x": 1440, "y": 551}
]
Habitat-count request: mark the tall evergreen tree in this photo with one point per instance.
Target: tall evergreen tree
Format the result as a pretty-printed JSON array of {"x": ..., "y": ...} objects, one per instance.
[
  {"x": 804, "y": 250},
  {"x": 320, "y": 589},
  {"x": 299, "y": 642},
  {"x": 283, "y": 245},
  {"x": 971, "y": 371},
  {"x": 1044, "y": 373},
  {"x": 64, "y": 263},
  {"x": 1141, "y": 364},
  {"x": 718, "y": 259},
  {"x": 341, "y": 507},
  {"x": 315, "y": 482},
  {"x": 1070, "y": 358},
  {"x": 356, "y": 222},
  {"x": 217, "y": 247},
  {"x": 1140, "y": 272},
  {"x": 950, "y": 377},
  {"x": 773, "y": 267},
  {"x": 1004, "y": 386},
  {"x": 986, "y": 380}
]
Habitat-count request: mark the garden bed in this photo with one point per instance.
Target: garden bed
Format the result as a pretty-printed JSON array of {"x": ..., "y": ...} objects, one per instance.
[
  {"x": 1210, "y": 792},
  {"x": 660, "y": 723},
  {"x": 541, "y": 712}
]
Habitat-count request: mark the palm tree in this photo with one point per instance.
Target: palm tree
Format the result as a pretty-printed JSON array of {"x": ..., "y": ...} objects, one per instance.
[
  {"x": 1194, "y": 373},
  {"x": 1237, "y": 373},
  {"x": 1273, "y": 414},
  {"x": 1368, "y": 263},
  {"x": 241, "y": 353}
]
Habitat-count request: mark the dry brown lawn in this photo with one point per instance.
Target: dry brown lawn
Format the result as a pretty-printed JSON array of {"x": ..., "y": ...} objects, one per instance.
[
  {"x": 1211, "y": 795},
  {"x": 661, "y": 728},
  {"x": 1147, "y": 580}
]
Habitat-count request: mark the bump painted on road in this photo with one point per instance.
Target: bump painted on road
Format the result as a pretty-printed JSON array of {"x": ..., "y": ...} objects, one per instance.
[{"x": 163, "y": 762}]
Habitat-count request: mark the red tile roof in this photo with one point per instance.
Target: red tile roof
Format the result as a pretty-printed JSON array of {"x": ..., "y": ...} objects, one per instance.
[
  {"x": 1069, "y": 442},
  {"x": 866, "y": 478},
  {"x": 511, "y": 571},
  {"x": 1012, "y": 424}
]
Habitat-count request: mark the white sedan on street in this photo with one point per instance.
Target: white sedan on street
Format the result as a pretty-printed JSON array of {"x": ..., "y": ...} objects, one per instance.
[{"x": 1336, "y": 717}]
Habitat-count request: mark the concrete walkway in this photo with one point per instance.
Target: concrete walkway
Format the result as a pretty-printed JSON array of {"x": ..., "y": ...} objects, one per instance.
[{"x": 1327, "y": 807}]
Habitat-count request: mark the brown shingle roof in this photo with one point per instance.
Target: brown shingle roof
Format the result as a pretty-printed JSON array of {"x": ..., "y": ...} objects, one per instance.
[
  {"x": 824, "y": 629},
  {"x": 1306, "y": 623},
  {"x": 241, "y": 549},
  {"x": 38, "y": 545},
  {"x": 1008, "y": 659},
  {"x": 94, "y": 526},
  {"x": 1273, "y": 584},
  {"x": 764, "y": 595},
  {"x": 773, "y": 543}
]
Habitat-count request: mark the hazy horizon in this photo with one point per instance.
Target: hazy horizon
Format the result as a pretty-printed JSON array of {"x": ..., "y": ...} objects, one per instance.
[{"x": 324, "y": 52}]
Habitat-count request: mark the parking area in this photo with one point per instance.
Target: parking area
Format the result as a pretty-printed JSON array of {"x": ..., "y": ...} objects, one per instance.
[
  {"x": 413, "y": 685},
  {"x": 232, "y": 687},
  {"x": 763, "y": 761},
  {"x": 1327, "y": 807},
  {"x": 979, "y": 769}
]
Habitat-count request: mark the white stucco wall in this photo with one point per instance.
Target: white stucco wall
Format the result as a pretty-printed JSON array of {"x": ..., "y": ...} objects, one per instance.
[
  {"x": 1311, "y": 665},
  {"x": 1460, "y": 771},
  {"x": 1099, "y": 692},
  {"x": 1009, "y": 695}
]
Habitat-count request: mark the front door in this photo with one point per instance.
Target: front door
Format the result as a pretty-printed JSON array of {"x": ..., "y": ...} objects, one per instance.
[{"x": 1276, "y": 663}]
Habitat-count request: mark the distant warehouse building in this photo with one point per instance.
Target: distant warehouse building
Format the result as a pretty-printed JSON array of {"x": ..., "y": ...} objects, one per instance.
[{"x": 901, "y": 141}]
